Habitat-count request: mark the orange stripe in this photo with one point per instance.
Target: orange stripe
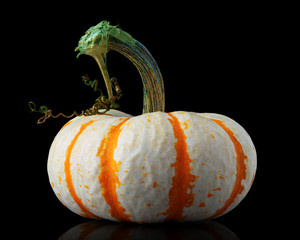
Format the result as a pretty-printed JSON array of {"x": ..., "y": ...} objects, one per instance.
[
  {"x": 108, "y": 177},
  {"x": 66, "y": 124},
  {"x": 182, "y": 180},
  {"x": 240, "y": 168},
  {"x": 69, "y": 180}
]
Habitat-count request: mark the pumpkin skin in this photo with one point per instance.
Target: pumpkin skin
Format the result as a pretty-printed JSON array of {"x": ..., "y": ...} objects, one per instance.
[{"x": 155, "y": 167}]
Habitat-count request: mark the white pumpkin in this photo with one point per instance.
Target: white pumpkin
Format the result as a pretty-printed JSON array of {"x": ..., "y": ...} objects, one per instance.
[{"x": 155, "y": 167}]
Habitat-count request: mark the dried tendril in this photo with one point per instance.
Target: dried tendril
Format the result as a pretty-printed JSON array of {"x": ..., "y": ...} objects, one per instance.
[{"x": 101, "y": 105}]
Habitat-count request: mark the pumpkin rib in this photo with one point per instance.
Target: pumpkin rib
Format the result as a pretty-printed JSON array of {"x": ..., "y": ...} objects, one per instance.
[
  {"x": 182, "y": 179},
  {"x": 240, "y": 168},
  {"x": 69, "y": 180},
  {"x": 108, "y": 177}
]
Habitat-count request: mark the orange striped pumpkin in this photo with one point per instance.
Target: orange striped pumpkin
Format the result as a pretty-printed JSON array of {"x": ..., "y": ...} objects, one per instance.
[{"x": 155, "y": 167}]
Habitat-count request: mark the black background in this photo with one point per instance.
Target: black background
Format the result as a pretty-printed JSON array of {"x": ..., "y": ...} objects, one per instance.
[{"x": 223, "y": 59}]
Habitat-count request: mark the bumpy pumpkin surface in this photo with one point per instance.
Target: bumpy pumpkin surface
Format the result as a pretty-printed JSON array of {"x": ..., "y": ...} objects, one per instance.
[{"x": 156, "y": 167}]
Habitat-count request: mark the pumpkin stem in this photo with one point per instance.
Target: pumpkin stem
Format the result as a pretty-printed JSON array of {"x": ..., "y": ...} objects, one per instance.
[{"x": 99, "y": 39}]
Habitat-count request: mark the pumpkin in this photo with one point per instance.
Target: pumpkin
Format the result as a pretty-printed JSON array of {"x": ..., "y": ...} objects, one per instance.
[{"x": 155, "y": 167}]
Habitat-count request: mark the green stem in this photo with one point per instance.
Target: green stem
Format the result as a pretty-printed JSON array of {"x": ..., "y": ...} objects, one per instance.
[
  {"x": 103, "y": 37},
  {"x": 100, "y": 60},
  {"x": 154, "y": 98}
]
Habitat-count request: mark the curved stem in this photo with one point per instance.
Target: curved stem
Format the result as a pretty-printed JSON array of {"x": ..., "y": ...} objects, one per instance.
[
  {"x": 154, "y": 97},
  {"x": 100, "y": 60},
  {"x": 99, "y": 39}
]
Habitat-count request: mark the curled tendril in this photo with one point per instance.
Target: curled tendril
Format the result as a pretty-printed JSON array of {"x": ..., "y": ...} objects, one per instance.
[
  {"x": 101, "y": 105},
  {"x": 93, "y": 84},
  {"x": 32, "y": 107},
  {"x": 43, "y": 109}
]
